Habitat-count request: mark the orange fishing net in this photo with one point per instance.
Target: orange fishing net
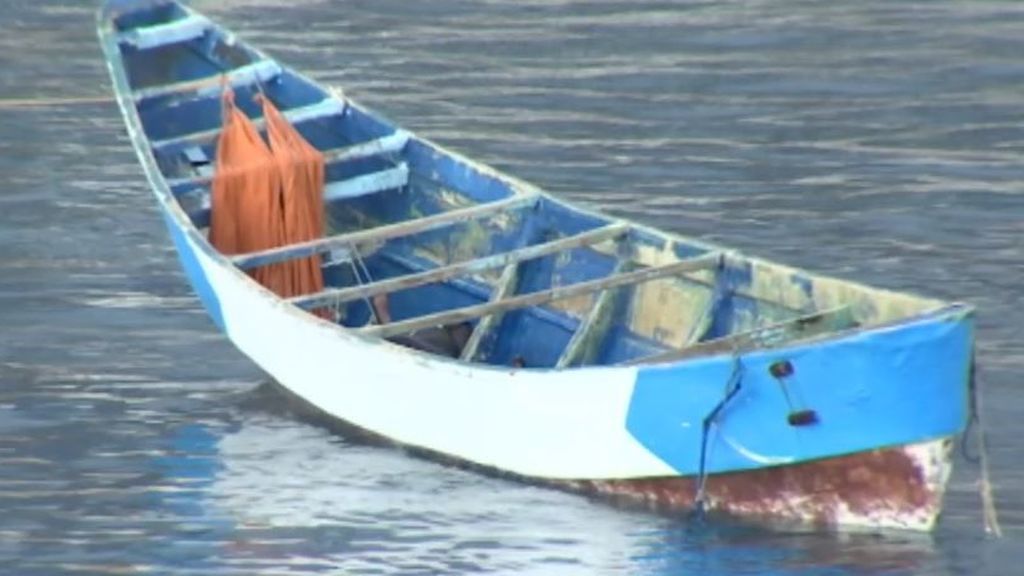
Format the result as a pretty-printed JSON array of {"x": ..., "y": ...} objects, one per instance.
[
  {"x": 302, "y": 171},
  {"x": 267, "y": 196}
]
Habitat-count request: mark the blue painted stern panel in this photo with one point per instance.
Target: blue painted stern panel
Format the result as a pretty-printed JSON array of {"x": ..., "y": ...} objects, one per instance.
[{"x": 898, "y": 385}]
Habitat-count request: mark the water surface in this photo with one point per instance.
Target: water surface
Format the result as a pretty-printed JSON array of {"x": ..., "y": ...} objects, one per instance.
[{"x": 880, "y": 141}]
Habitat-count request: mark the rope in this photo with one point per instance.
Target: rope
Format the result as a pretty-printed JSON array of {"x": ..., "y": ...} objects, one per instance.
[
  {"x": 988, "y": 503},
  {"x": 357, "y": 263},
  {"x": 972, "y": 419},
  {"x": 11, "y": 103},
  {"x": 731, "y": 389}
]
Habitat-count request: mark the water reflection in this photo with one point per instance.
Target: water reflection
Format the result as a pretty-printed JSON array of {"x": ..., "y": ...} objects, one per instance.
[{"x": 382, "y": 509}]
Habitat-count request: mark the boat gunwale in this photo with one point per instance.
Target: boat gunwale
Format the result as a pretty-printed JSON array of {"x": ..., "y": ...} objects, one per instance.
[{"x": 938, "y": 310}]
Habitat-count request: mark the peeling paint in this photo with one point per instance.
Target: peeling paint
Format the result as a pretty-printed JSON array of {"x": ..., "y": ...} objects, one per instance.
[
  {"x": 779, "y": 292},
  {"x": 900, "y": 487},
  {"x": 804, "y": 291},
  {"x": 470, "y": 241},
  {"x": 452, "y": 198},
  {"x": 668, "y": 310}
]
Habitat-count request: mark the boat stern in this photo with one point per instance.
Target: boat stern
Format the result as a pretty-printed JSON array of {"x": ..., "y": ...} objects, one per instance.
[
  {"x": 853, "y": 432},
  {"x": 900, "y": 488}
]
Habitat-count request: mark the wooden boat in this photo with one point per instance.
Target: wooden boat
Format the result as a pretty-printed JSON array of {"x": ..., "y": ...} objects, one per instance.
[{"x": 540, "y": 340}]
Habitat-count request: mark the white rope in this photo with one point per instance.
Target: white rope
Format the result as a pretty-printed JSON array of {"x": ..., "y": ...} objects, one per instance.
[{"x": 988, "y": 503}]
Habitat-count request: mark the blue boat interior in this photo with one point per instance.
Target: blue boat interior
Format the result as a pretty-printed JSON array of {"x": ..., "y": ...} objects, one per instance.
[{"x": 466, "y": 262}]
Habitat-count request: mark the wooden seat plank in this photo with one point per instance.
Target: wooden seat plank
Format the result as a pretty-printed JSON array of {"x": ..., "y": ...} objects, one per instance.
[
  {"x": 544, "y": 296},
  {"x": 442, "y": 273},
  {"x": 261, "y": 71},
  {"x": 390, "y": 144},
  {"x": 381, "y": 233},
  {"x": 806, "y": 326},
  {"x": 182, "y": 30},
  {"x": 366, "y": 184},
  {"x": 355, "y": 187},
  {"x": 322, "y": 109}
]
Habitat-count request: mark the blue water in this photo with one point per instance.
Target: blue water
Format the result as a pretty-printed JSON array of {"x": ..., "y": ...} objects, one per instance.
[{"x": 876, "y": 140}]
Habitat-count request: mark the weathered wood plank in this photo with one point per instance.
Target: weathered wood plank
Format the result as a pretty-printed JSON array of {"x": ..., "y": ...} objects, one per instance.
[
  {"x": 585, "y": 342},
  {"x": 181, "y": 30},
  {"x": 442, "y": 273},
  {"x": 701, "y": 327},
  {"x": 544, "y": 296},
  {"x": 381, "y": 233},
  {"x": 505, "y": 287},
  {"x": 260, "y": 71},
  {"x": 340, "y": 190},
  {"x": 807, "y": 326},
  {"x": 391, "y": 178},
  {"x": 390, "y": 144},
  {"x": 322, "y": 109}
]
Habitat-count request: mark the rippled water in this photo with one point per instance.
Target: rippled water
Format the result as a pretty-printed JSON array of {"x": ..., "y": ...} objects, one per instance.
[{"x": 876, "y": 140}]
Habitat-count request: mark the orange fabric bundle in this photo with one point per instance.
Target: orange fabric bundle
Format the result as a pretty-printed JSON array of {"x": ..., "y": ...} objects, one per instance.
[
  {"x": 267, "y": 196},
  {"x": 302, "y": 180}
]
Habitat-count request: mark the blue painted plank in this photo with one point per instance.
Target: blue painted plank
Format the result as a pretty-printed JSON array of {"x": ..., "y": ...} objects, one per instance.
[
  {"x": 261, "y": 71},
  {"x": 364, "y": 185},
  {"x": 390, "y": 144},
  {"x": 128, "y": 14},
  {"x": 182, "y": 30},
  {"x": 407, "y": 228},
  {"x": 323, "y": 109},
  {"x": 389, "y": 179}
]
